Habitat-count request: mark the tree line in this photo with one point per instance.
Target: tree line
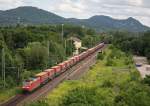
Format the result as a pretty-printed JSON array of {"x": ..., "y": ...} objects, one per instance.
[{"x": 135, "y": 43}]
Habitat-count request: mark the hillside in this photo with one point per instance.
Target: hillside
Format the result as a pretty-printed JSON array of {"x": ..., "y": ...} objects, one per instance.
[
  {"x": 33, "y": 15},
  {"x": 29, "y": 15},
  {"x": 108, "y": 23}
]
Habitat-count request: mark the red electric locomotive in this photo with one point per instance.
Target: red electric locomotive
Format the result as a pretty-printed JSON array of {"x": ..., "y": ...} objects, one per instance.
[{"x": 31, "y": 84}]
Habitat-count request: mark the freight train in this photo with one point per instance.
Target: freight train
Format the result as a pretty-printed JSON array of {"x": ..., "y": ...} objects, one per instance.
[{"x": 49, "y": 74}]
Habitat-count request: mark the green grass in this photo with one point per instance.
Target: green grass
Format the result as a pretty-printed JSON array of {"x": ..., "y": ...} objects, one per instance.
[
  {"x": 10, "y": 91},
  {"x": 103, "y": 85},
  {"x": 5, "y": 94}
]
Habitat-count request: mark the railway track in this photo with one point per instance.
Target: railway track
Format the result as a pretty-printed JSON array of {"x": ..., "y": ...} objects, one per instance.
[{"x": 73, "y": 73}]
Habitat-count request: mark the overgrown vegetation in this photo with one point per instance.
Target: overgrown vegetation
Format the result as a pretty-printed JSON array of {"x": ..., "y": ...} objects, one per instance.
[
  {"x": 136, "y": 43},
  {"x": 146, "y": 80},
  {"x": 31, "y": 49},
  {"x": 108, "y": 83}
]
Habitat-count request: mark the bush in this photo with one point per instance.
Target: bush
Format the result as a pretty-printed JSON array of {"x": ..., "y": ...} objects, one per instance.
[
  {"x": 146, "y": 80},
  {"x": 87, "y": 96},
  {"x": 133, "y": 94},
  {"x": 109, "y": 61},
  {"x": 107, "y": 83},
  {"x": 38, "y": 103},
  {"x": 100, "y": 56}
]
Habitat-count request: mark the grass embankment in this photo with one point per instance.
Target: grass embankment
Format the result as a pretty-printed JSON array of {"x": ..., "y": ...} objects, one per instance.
[
  {"x": 6, "y": 94},
  {"x": 11, "y": 91},
  {"x": 112, "y": 81}
]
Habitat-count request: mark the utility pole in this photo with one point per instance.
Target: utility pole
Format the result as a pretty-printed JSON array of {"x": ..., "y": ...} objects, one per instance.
[
  {"x": 18, "y": 20},
  {"x": 3, "y": 65},
  {"x": 18, "y": 69},
  {"x": 65, "y": 48},
  {"x": 47, "y": 54},
  {"x": 62, "y": 35},
  {"x": 62, "y": 32},
  {"x": 91, "y": 42},
  {"x": 71, "y": 47},
  {"x": 18, "y": 74}
]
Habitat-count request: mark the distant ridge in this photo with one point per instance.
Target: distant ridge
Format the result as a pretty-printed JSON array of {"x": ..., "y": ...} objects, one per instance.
[
  {"x": 29, "y": 15},
  {"x": 33, "y": 15}
]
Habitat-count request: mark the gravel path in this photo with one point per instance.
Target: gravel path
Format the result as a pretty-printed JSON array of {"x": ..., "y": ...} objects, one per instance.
[{"x": 144, "y": 69}]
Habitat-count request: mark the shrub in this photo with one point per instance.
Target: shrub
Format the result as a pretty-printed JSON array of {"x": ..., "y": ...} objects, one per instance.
[
  {"x": 107, "y": 83},
  {"x": 109, "y": 62},
  {"x": 146, "y": 80},
  {"x": 100, "y": 56}
]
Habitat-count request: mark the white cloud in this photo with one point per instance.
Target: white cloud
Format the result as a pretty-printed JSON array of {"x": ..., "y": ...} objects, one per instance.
[
  {"x": 136, "y": 2},
  {"x": 71, "y": 6},
  {"x": 7, "y": 4}
]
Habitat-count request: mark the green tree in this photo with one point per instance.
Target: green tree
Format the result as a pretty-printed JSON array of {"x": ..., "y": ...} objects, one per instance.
[{"x": 35, "y": 55}]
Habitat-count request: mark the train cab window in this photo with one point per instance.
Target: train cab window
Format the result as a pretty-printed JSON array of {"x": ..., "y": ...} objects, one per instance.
[
  {"x": 33, "y": 78},
  {"x": 28, "y": 82}
]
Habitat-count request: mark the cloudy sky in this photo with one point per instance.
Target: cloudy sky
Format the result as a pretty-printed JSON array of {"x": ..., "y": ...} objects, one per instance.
[{"x": 121, "y": 9}]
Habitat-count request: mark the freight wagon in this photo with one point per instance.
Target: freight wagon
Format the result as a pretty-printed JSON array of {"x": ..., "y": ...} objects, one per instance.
[{"x": 48, "y": 74}]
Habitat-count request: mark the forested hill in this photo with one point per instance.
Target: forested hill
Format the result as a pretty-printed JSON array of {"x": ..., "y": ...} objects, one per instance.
[
  {"x": 108, "y": 23},
  {"x": 29, "y": 15},
  {"x": 33, "y": 15}
]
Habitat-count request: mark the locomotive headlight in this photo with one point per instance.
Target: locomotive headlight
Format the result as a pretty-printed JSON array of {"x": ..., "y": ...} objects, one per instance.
[{"x": 27, "y": 87}]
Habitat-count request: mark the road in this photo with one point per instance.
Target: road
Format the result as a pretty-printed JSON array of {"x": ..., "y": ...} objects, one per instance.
[{"x": 143, "y": 69}]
